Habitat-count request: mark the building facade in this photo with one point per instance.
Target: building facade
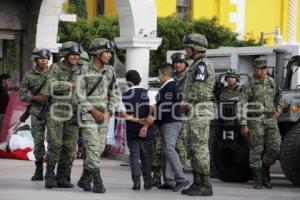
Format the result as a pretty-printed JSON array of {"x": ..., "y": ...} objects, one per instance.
[
  {"x": 246, "y": 17},
  {"x": 31, "y": 23}
]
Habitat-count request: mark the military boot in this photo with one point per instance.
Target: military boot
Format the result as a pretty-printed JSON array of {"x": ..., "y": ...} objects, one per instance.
[
  {"x": 156, "y": 178},
  {"x": 38, "y": 174},
  {"x": 266, "y": 177},
  {"x": 196, "y": 185},
  {"x": 85, "y": 180},
  {"x": 68, "y": 173},
  {"x": 50, "y": 181},
  {"x": 257, "y": 178},
  {"x": 98, "y": 185},
  {"x": 62, "y": 177},
  {"x": 205, "y": 188}
]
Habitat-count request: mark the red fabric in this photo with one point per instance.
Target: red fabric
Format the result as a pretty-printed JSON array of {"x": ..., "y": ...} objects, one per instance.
[
  {"x": 14, "y": 110},
  {"x": 4, "y": 154},
  {"x": 20, "y": 154}
]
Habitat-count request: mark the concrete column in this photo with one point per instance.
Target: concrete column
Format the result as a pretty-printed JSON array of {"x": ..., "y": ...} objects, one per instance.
[
  {"x": 47, "y": 25},
  {"x": 292, "y": 21},
  {"x": 138, "y": 59},
  {"x": 137, "y": 21}
]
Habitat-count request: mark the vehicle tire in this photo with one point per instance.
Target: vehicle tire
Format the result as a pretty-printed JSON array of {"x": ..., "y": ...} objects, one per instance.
[
  {"x": 225, "y": 163},
  {"x": 290, "y": 154}
]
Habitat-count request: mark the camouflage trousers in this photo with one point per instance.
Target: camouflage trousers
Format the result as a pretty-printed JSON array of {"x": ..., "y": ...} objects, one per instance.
[
  {"x": 94, "y": 140},
  {"x": 197, "y": 136},
  {"x": 157, "y": 160},
  {"x": 62, "y": 136},
  {"x": 38, "y": 133},
  {"x": 181, "y": 144},
  {"x": 264, "y": 141}
]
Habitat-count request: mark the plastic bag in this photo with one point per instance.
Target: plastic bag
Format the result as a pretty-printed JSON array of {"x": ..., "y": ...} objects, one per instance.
[
  {"x": 120, "y": 137},
  {"x": 110, "y": 137}
]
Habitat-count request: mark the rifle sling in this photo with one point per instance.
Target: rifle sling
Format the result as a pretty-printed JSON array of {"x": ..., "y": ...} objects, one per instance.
[
  {"x": 40, "y": 87},
  {"x": 96, "y": 84}
]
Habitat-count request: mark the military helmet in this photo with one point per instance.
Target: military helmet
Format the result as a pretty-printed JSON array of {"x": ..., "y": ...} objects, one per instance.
[
  {"x": 70, "y": 48},
  {"x": 100, "y": 45},
  {"x": 40, "y": 53},
  {"x": 197, "y": 41},
  {"x": 232, "y": 73},
  {"x": 260, "y": 62},
  {"x": 175, "y": 57},
  {"x": 84, "y": 58}
]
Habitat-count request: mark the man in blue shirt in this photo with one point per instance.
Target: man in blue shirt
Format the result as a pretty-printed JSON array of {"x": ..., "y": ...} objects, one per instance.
[
  {"x": 168, "y": 116},
  {"x": 139, "y": 133}
]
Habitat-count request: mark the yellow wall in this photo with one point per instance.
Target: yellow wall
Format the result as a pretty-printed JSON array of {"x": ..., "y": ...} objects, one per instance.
[
  {"x": 260, "y": 15},
  {"x": 211, "y": 8},
  {"x": 298, "y": 28},
  {"x": 204, "y": 8},
  {"x": 110, "y": 7},
  {"x": 263, "y": 16},
  {"x": 225, "y": 8},
  {"x": 166, "y": 8},
  {"x": 65, "y": 5},
  {"x": 91, "y": 6}
]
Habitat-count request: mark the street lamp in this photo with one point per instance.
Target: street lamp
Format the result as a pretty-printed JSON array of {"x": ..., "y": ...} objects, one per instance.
[{"x": 277, "y": 36}]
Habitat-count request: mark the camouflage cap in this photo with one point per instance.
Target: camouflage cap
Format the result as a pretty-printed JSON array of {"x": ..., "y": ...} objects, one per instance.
[
  {"x": 232, "y": 73},
  {"x": 100, "y": 45},
  {"x": 70, "y": 48},
  {"x": 197, "y": 41},
  {"x": 40, "y": 53},
  {"x": 260, "y": 62}
]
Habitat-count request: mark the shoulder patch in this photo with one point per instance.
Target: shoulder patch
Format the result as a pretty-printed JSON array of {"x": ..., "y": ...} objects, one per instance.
[{"x": 201, "y": 73}]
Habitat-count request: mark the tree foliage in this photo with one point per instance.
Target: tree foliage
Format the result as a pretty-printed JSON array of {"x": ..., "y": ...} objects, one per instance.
[
  {"x": 170, "y": 29},
  {"x": 78, "y": 7},
  {"x": 12, "y": 55},
  {"x": 84, "y": 31}
]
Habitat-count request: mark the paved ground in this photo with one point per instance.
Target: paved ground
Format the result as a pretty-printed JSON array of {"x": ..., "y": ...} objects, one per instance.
[{"x": 15, "y": 185}]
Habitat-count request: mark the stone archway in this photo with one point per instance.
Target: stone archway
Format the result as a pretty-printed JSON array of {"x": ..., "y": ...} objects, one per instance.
[
  {"x": 138, "y": 25},
  {"x": 47, "y": 25}
]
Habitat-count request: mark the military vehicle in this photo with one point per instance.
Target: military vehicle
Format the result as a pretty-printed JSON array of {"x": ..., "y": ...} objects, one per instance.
[{"x": 229, "y": 151}]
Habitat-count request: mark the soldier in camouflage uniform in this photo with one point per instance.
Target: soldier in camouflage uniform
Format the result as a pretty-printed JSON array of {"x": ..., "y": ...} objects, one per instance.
[
  {"x": 61, "y": 126},
  {"x": 34, "y": 80},
  {"x": 180, "y": 67},
  {"x": 83, "y": 60},
  {"x": 198, "y": 89},
  {"x": 97, "y": 109},
  {"x": 157, "y": 160},
  {"x": 231, "y": 90},
  {"x": 259, "y": 121}
]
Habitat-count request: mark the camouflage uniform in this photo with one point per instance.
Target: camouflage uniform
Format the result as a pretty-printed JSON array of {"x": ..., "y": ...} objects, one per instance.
[
  {"x": 181, "y": 141},
  {"x": 84, "y": 59},
  {"x": 264, "y": 136},
  {"x": 198, "y": 89},
  {"x": 226, "y": 92},
  {"x": 157, "y": 160},
  {"x": 31, "y": 82},
  {"x": 105, "y": 99},
  {"x": 61, "y": 126}
]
